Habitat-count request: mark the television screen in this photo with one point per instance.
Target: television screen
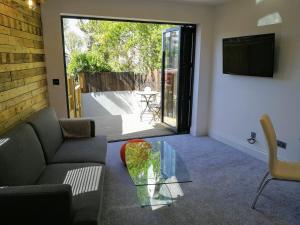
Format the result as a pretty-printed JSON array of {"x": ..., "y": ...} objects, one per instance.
[{"x": 250, "y": 55}]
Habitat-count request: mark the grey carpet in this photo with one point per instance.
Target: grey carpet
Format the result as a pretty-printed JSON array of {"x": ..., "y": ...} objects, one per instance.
[{"x": 224, "y": 184}]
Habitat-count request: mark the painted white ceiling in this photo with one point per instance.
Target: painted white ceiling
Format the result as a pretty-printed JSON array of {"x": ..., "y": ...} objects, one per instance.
[{"x": 210, "y": 2}]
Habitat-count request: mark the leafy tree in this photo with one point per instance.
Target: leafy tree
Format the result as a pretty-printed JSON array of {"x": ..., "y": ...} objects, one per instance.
[
  {"x": 90, "y": 62},
  {"x": 73, "y": 43},
  {"x": 87, "y": 26},
  {"x": 126, "y": 46},
  {"x": 66, "y": 24}
]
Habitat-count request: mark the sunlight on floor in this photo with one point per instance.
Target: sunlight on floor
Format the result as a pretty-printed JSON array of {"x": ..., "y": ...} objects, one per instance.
[
  {"x": 132, "y": 123},
  {"x": 117, "y": 115}
]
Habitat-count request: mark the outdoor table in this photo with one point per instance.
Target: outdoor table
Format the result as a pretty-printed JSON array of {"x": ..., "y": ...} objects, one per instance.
[{"x": 148, "y": 97}]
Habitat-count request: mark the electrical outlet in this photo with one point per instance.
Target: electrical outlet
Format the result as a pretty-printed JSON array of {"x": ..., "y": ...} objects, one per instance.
[
  {"x": 281, "y": 144},
  {"x": 55, "y": 82},
  {"x": 252, "y": 139},
  {"x": 253, "y": 135}
]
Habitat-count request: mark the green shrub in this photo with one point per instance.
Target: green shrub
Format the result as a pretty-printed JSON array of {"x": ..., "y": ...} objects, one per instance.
[{"x": 90, "y": 62}]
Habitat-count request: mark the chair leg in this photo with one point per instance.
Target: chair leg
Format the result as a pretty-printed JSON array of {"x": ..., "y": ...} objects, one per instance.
[
  {"x": 262, "y": 181},
  {"x": 260, "y": 191}
]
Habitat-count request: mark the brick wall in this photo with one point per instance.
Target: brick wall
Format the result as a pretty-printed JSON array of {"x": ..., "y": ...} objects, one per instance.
[{"x": 23, "y": 85}]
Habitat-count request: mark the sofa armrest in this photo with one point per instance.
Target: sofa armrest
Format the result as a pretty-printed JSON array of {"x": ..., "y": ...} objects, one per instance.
[
  {"x": 36, "y": 204},
  {"x": 77, "y": 128}
]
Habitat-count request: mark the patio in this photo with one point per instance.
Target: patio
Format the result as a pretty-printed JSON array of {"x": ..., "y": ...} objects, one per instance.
[{"x": 117, "y": 115}]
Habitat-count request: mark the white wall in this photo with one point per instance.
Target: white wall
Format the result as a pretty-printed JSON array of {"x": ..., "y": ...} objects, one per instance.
[
  {"x": 237, "y": 102},
  {"x": 171, "y": 12}
]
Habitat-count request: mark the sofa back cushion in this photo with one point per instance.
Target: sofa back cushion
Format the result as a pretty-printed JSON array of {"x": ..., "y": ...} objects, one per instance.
[
  {"x": 21, "y": 157},
  {"x": 48, "y": 130}
]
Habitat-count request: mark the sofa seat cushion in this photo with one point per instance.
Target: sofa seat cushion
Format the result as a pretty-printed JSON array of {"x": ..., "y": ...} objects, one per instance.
[
  {"x": 82, "y": 150},
  {"x": 87, "y": 181},
  {"x": 21, "y": 157}
]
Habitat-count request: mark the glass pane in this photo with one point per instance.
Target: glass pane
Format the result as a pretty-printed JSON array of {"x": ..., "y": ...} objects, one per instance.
[
  {"x": 154, "y": 195},
  {"x": 171, "y": 43},
  {"x": 151, "y": 163}
]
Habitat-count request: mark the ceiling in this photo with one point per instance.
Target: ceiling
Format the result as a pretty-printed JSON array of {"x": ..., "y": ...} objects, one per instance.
[{"x": 210, "y": 2}]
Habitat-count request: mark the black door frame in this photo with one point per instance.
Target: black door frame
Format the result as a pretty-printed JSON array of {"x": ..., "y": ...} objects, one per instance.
[{"x": 62, "y": 17}]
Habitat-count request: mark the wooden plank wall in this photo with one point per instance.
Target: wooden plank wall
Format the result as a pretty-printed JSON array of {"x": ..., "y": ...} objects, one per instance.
[
  {"x": 108, "y": 81},
  {"x": 119, "y": 81},
  {"x": 23, "y": 85}
]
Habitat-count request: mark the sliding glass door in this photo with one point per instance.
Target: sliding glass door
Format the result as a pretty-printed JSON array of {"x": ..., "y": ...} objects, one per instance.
[
  {"x": 171, "y": 42},
  {"x": 177, "y": 74}
]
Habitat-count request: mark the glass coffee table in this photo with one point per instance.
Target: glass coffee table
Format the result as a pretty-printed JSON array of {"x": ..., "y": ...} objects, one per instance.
[{"x": 157, "y": 171}]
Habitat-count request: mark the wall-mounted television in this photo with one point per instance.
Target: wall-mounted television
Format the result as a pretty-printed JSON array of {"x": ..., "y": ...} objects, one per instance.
[{"x": 249, "y": 55}]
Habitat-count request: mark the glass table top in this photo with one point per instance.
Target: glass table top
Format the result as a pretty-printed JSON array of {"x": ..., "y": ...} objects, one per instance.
[{"x": 156, "y": 170}]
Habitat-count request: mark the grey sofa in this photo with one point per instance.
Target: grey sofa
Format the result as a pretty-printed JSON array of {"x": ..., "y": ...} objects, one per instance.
[{"x": 52, "y": 172}]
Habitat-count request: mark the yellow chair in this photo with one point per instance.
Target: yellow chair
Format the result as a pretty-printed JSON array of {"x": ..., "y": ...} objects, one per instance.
[{"x": 278, "y": 170}]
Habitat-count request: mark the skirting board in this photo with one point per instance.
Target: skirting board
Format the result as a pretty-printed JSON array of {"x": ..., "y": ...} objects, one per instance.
[{"x": 240, "y": 146}]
